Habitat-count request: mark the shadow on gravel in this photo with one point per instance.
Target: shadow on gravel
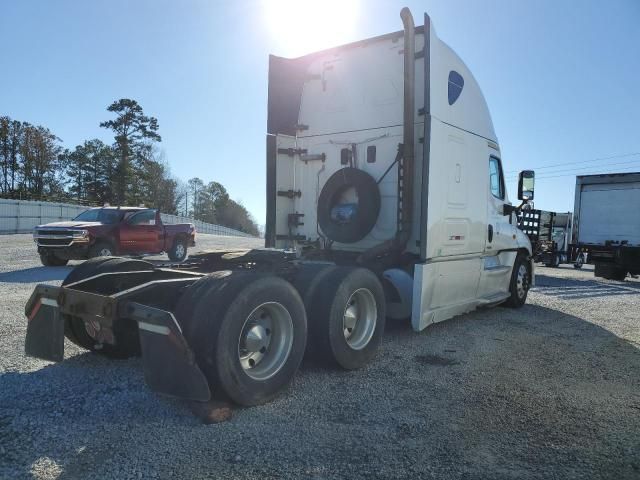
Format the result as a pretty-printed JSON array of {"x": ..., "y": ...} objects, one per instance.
[
  {"x": 571, "y": 288},
  {"x": 35, "y": 275},
  {"x": 500, "y": 393}
]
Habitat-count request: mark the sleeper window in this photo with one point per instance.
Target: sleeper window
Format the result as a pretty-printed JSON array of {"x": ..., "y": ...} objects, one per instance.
[
  {"x": 496, "y": 181},
  {"x": 456, "y": 84}
]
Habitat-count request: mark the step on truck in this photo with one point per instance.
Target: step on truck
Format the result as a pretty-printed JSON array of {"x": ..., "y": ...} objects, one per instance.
[
  {"x": 607, "y": 223},
  {"x": 385, "y": 199}
]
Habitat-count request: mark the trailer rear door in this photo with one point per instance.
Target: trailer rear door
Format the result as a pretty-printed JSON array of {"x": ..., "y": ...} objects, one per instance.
[{"x": 609, "y": 212}]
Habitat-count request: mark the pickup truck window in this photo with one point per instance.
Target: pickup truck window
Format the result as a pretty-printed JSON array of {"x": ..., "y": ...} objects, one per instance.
[
  {"x": 102, "y": 215},
  {"x": 146, "y": 217},
  {"x": 496, "y": 182}
]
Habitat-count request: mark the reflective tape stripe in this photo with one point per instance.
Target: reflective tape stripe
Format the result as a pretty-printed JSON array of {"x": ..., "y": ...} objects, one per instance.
[
  {"x": 49, "y": 301},
  {"x": 150, "y": 327}
]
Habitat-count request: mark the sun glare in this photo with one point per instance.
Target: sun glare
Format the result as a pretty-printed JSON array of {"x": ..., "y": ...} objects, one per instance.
[{"x": 298, "y": 27}]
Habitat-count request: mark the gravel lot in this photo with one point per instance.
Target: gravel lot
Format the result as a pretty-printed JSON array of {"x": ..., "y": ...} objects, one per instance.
[{"x": 548, "y": 391}]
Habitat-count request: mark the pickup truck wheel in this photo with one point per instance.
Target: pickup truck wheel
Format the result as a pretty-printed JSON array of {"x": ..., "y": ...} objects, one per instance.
[
  {"x": 101, "y": 249},
  {"x": 178, "y": 251},
  {"x": 50, "y": 259},
  {"x": 347, "y": 317},
  {"x": 126, "y": 333},
  {"x": 520, "y": 282},
  {"x": 248, "y": 332}
]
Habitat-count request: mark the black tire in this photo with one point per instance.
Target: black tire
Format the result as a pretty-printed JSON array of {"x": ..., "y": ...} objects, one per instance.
[
  {"x": 368, "y": 205},
  {"x": 327, "y": 311},
  {"x": 579, "y": 261},
  {"x": 178, "y": 251},
  {"x": 101, "y": 249},
  {"x": 555, "y": 262},
  {"x": 50, "y": 259},
  {"x": 610, "y": 272},
  {"x": 213, "y": 313},
  {"x": 309, "y": 278},
  {"x": 518, "y": 296},
  {"x": 126, "y": 332}
]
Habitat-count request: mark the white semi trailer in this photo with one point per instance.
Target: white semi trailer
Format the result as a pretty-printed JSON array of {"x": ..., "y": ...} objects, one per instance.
[
  {"x": 607, "y": 223},
  {"x": 385, "y": 198}
]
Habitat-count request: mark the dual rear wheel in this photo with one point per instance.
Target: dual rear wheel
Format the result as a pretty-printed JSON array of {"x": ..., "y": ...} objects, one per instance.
[{"x": 249, "y": 331}]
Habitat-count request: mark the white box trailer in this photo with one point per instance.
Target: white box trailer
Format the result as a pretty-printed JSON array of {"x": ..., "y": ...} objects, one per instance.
[
  {"x": 607, "y": 222},
  {"x": 385, "y": 198}
]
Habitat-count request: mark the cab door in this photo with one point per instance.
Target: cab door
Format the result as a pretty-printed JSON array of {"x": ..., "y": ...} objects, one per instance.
[
  {"x": 142, "y": 233},
  {"x": 496, "y": 269}
]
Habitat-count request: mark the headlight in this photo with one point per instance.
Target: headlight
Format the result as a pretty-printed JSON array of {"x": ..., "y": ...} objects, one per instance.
[{"x": 80, "y": 233}]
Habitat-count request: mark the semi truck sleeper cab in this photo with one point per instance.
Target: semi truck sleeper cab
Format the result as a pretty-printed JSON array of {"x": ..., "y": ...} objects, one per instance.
[{"x": 386, "y": 198}]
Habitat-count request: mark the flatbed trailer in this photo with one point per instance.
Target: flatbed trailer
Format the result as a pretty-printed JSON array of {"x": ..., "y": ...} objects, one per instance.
[
  {"x": 382, "y": 202},
  {"x": 550, "y": 236}
]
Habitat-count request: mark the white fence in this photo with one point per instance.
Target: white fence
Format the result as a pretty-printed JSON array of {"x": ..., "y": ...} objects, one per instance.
[
  {"x": 21, "y": 216},
  {"x": 203, "y": 227}
]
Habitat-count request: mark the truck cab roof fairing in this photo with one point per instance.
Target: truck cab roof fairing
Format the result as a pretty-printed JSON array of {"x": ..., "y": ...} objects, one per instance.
[{"x": 469, "y": 111}]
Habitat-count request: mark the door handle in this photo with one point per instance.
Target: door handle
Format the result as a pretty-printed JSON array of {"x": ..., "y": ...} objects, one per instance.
[{"x": 490, "y": 233}]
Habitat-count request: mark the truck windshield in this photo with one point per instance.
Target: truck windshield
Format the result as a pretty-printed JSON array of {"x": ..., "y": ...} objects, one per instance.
[{"x": 101, "y": 215}]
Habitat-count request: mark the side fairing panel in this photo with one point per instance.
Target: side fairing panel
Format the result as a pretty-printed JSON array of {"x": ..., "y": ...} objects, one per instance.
[
  {"x": 457, "y": 209},
  {"x": 442, "y": 290}
]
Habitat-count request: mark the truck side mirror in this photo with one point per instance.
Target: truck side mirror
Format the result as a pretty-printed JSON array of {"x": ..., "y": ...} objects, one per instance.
[{"x": 526, "y": 184}]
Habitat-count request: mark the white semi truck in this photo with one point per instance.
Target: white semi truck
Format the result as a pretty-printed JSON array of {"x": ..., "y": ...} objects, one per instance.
[
  {"x": 607, "y": 223},
  {"x": 385, "y": 198}
]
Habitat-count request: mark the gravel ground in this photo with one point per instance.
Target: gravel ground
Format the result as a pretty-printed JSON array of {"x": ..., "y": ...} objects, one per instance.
[{"x": 548, "y": 391}]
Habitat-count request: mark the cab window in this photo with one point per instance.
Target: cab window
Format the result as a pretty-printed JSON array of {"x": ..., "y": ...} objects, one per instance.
[
  {"x": 496, "y": 180},
  {"x": 146, "y": 217}
]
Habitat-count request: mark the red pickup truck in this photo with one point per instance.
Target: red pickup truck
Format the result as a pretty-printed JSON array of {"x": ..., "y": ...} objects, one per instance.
[{"x": 112, "y": 231}]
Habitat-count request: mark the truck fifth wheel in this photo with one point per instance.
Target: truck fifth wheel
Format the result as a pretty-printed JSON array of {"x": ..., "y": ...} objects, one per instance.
[{"x": 385, "y": 199}]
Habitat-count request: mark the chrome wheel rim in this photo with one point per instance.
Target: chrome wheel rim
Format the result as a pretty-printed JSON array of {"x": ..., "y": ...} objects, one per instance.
[
  {"x": 265, "y": 341},
  {"x": 180, "y": 250},
  {"x": 522, "y": 281},
  {"x": 104, "y": 252},
  {"x": 359, "y": 318}
]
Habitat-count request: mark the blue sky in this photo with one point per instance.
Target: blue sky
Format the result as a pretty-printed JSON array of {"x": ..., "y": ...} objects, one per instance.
[{"x": 562, "y": 78}]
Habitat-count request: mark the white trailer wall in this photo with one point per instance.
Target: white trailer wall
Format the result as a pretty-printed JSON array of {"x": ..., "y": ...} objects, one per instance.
[
  {"x": 610, "y": 211},
  {"x": 21, "y": 216}
]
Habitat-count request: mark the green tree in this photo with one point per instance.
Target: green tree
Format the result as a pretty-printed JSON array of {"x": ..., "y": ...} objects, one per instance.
[
  {"x": 41, "y": 161},
  {"x": 133, "y": 132},
  {"x": 89, "y": 169},
  {"x": 195, "y": 186}
]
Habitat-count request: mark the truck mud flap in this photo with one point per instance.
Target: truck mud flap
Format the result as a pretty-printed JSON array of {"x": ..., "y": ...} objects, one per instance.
[
  {"x": 45, "y": 327},
  {"x": 170, "y": 366}
]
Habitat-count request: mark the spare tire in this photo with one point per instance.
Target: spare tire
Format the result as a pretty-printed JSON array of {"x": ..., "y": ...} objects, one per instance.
[{"x": 361, "y": 219}]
